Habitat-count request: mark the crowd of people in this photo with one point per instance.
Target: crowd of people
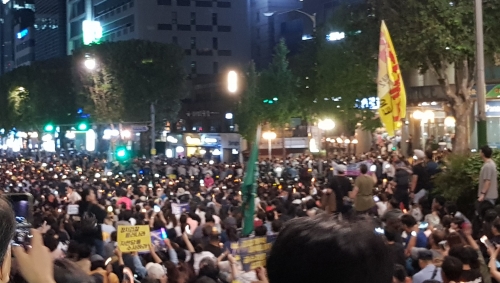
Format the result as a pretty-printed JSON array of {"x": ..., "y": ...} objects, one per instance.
[{"x": 383, "y": 224}]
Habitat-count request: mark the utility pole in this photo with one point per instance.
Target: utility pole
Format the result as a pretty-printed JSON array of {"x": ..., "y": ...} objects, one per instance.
[
  {"x": 482, "y": 138},
  {"x": 153, "y": 130}
]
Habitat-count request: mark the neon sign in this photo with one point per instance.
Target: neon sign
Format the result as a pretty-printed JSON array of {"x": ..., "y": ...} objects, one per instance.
[{"x": 22, "y": 33}]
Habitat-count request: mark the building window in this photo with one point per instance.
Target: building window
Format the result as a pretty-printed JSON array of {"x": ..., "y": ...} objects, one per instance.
[
  {"x": 215, "y": 67},
  {"x": 215, "y": 19},
  {"x": 164, "y": 27},
  {"x": 193, "y": 67},
  {"x": 174, "y": 18},
  {"x": 193, "y": 18},
  {"x": 184, "y": 3},
  {"x": 193, "y": 42},
  {"x": 224, "y": 28},
  {"x": 223, "y": 4},
  {"x": 118, "y": 10},
  {"x": 132, "y": 28},
  {"x": 203, "y": 4},
  {"x": 215, "y": 43},
  {"x": 131, "y": 4},
  {"x": 224, "y": 53},
  {"x": 174, "y": 39},
  {"x": 257, "y": 16},
  {"x": 165, "y": 2}
]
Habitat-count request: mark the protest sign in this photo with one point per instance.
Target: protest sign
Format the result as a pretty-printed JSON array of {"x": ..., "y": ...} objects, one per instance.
[
  {"x": 73, "y": 209},
  {"x": 134, "y": 238},
  {"x": 252, "y": 252},
  {"x": 158, "y": 239},
  {"x": 180, "y": 208}
]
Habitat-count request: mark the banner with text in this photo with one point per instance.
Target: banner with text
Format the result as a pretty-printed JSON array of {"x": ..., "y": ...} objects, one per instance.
[{"x": 252, "y": 252}]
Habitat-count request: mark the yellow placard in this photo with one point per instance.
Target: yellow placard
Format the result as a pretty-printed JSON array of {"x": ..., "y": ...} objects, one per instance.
[{"x": 134, "y": 238}]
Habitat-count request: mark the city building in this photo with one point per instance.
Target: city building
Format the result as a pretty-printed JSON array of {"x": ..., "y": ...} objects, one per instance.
[
  {"x": 24, "y": 43},
  {"x": 16, "y": 15},
  {"x": 213, "y": 34},
  {"x": 50, "y": 29}
]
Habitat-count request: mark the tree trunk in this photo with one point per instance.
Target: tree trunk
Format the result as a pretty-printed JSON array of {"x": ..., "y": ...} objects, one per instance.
[{"x": 461, "y": 140}]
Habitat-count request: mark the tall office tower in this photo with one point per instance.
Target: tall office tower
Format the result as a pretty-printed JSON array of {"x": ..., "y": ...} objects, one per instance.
[
  {"x": 17, "y": 15},
  {"x": 50, "y": 29},
  {"x": 214, "y": 34}
]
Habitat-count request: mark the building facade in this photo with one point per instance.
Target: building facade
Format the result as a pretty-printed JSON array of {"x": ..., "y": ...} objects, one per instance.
[
  {"x": 213, "y": 34},
  {"x": 24, "y": 44},
  {"x": 16, "y": 15},
  {"x": 50, "y": 29}
]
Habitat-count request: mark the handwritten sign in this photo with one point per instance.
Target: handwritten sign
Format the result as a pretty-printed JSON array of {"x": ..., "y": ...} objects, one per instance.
[
  {"x": 180, "y": 208},
  {"x": 134, "y": 238},
  {"x": 73, "y": 209},
  {"x": 252, "y": 252}
]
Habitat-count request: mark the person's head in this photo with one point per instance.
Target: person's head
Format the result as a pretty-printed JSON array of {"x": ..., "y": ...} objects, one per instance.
[
  {"x": 363, "y": 168},
  {"x": 429, "y": 154},
  {"x": 88, "y": 195},
  {"x": 466, "y": 254},
  {"x": 399, "y": 275},
  {"x": 7, "y": 230},
  {"x": 321, "y": 248},
  {"x": 436, "y": 237},
  {"x": 408, "y": 222},
  {"x": 451, "y": 269},
  {"x": 438, "y": 202},
  {"x": 391, "y": 234},
  {"x": 393, "y": 203},
  {"x": 66, "y": 271},
  {"x": 486, "y": 152},
  {"x": 424, "y": 258}
]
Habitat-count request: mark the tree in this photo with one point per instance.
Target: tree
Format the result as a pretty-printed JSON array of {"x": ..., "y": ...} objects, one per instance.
[
  {"x": 38, "y": 94},
  {"x": 248, "y": 118},
  {"x": 130, "y": 75},
  {"x": 278, "y": 86},
  {"x": 432, "y": 35},
  {"x": 336, "y": 76}
]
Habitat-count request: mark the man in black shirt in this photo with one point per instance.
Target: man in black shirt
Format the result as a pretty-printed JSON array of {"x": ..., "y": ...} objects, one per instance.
[
  {"x": 420, "y": 178},
  {"x": 341, "y": 185}
]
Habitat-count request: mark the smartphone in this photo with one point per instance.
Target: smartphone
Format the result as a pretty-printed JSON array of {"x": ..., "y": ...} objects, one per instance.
[
  {"x": 423, "y": 226},
  {"x": 379, "y": 230},
  {"x": 373, "y": 168},
  {"x": 187, "y": 230},
  {"x": 22, "y": 204},
  {"x": 497, "y": 264},
  {"x": 376, "y": 198},
  {"x": 486, "y": 242},
  {"x": 164, "y": 234},
  {"x": 157, "y": 208}
]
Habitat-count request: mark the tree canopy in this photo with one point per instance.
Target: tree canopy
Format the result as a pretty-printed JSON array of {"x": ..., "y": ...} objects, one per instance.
[{"x": 129, "y": 76}]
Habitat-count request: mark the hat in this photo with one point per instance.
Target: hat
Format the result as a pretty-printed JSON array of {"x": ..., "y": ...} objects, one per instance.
[
  {"x": 96, "y": 257},
  {"x": 341, "y": 168},
  {"x": 419, "y": 154},
  {"x": 425, "y": 255},
  {"x": 155, "y": 270}
]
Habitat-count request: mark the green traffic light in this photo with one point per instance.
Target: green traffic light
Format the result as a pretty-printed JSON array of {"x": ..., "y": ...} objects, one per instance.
[
  {"x": 266, "y": 101},
  {"x": 121, "y": 153},
  {"x": 83, "y": 127},
  {"x": 48, "y": 128}
]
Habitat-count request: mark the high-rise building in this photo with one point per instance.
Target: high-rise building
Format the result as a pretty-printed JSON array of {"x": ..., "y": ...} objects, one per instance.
[
  {"x": 24, "y": 46},
  {"x": 50, "y": 29},
  {"x": 16, "y": 15},
  {"x": 213, "y": 34}
]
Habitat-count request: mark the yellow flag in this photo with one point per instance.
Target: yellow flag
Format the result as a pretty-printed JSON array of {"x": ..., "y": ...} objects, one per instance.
[{"x": 390, "y": 87}]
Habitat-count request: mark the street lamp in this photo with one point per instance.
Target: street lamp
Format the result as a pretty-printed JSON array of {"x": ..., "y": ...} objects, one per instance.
[
  {"x": 90, "y": 63},
  {"x": 269, "y": 136},
  {"x": 312, "y": 17},
  {"x": 232, "y": 82},
  {"x": 326, "y": 124}
]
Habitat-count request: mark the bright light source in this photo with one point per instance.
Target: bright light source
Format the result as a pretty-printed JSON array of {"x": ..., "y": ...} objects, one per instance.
[
  {"x": 326, "y": 125},
  {"x": 229, "y": 116},
  {"x": 211, "y": 162},
  {"x": 268, "y": 14},
  {"x": 126, "y": 134},
  {"x": 232, "y": 81},
  {"x": 90, "y": 137},
  {"x": 82, "y": 127},
  {"x": 70, "y": 135},
  {"x": 49, "y": 128},
  {"x": 234, "y": 151},
  {"x": 169, "y": 153},
  {"x": 307, "y": 37},
  {"x": 121, "y": 153},
  {"x": 172, "y": 139},
  {"x": 334, "y": 36},
  {"x": 202, "y": 151},
  {"x": 179, "y": 149},
  {"x": 216, "y": 152},
  {"x": 92, "y": 31},
  {"x": 90, "y": 63},
  {"x": 97, "y": 175},
  {"x": 269, "y": 135}
]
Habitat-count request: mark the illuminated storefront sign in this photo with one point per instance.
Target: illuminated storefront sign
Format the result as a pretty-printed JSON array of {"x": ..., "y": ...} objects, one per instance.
[
  {"x": 22, "y": 33},
  {"x": 92, "y": 32}
]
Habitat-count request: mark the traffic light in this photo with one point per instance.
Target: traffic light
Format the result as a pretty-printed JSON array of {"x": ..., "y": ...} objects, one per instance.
[
  {"x": 49, "y": 128},
  {"x": 121, "y": 153},
  {"x": 82, "y": 126}
]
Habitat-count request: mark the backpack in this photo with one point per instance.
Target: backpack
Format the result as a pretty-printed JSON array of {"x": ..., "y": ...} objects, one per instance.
[{"x": 402, "y": 178}]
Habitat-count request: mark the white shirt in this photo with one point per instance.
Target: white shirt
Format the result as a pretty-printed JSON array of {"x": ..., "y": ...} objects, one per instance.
[{"x": 74, "y": 197}]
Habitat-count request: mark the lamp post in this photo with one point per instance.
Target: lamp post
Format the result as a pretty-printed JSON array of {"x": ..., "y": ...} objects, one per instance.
[
  {"x": 269, "y": 136},
  {"x": 232, "y": 81},
  {"x": 90, "y": 63}
]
